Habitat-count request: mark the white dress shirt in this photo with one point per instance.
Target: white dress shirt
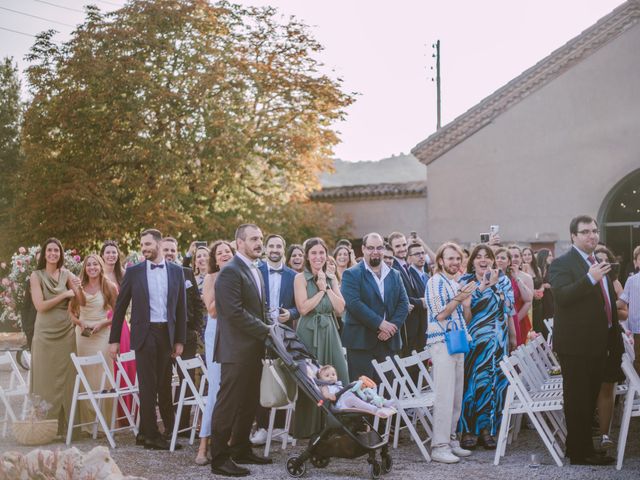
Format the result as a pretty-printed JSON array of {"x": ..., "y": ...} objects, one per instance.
[
  {"x": 275, "y": 281},
  {"x": 158, "y": 283},
  {"x": 254, "y": 271}
]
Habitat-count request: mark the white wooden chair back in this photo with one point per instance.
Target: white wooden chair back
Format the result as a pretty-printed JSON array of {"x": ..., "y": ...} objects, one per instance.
[
  {"x": 15, "y": 387},
  {"x": 190, "y": 395},
  {"x": 631, "y": 405}
]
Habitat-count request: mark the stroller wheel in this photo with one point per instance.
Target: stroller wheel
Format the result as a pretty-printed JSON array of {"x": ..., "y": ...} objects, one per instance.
[
  {"x": 320, "y": 462},
  {"x": 387, "y": 463},
  {"x": 375, "y": 470},
  {"x": 295, "y": 468}
]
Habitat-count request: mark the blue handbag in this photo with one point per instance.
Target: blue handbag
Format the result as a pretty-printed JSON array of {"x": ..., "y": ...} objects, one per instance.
[{"x": 456, "y": 339}]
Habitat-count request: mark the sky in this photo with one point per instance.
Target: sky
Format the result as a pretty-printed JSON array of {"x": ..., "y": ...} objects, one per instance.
[{"x": 383, "y": 51}]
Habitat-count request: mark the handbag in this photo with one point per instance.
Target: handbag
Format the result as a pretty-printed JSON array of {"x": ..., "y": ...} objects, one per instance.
[
  {"x": 277, "y": 386},
  {"x": 456, "y": 339}
]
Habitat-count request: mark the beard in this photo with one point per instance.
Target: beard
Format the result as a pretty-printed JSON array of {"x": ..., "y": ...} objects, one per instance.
[{"x": 375, "y": 262}]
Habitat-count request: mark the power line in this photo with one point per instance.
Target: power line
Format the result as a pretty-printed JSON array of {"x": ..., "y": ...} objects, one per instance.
[
  {"x": 59, "y": 6},
  {"x": 16, "y": 31},
  {"x": 35, "y": 16}
]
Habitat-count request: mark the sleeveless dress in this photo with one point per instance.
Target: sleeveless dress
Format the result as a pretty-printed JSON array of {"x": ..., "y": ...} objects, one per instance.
[
  {"x": 485, "y": 385},
  {"x": 52, "y": 371},
  {"x": 91, "y": 314},
  {"x": 214, "y": 371},
  {"x": 523, "y": 327},
  {"x": 318, "y": 331}
]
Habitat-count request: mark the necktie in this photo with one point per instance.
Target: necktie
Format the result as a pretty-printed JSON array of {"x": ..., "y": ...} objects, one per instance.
[
  {"x": 607, "y": 301},
  {"x": 276, "y": 270},
  {"x": 154, "y": 266},
  {"x": 411, "y": 281}
]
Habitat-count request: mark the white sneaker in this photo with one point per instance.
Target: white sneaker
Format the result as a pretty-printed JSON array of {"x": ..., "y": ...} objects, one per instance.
[
  {"x": 443, "y": 455},
  {"x": 260, "y": 437},
  {"x": 457, "y": 450}
]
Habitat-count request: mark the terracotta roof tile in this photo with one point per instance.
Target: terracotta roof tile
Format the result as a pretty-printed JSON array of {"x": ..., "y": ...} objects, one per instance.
[{"x": 407, "y": 189}]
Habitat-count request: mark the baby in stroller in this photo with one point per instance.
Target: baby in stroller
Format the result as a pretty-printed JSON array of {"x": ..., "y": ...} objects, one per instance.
[{"x": 360, "y": 395}]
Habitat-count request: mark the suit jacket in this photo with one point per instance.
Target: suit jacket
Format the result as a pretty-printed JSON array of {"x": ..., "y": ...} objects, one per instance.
[
  {"x": 415, "y": 325},
  {"x": 580, "y": 325},
  {"x": 195, "y": 307},
  {"x": 365, "y": 309},
  {"x": 135, "y": 290},
  {"x": 242, "y": 315},
  {"x": 287, "y": 300}
]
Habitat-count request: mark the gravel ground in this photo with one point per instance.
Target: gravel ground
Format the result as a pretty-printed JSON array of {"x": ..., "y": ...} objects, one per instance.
[{"x": 408, "y": 463}]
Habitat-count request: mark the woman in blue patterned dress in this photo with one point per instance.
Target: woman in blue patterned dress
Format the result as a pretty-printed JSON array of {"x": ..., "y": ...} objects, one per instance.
[{"x": 484, "y": 383}]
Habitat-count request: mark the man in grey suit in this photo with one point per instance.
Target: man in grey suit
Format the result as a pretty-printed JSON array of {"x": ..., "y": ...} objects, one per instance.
[{"x": 239, "y": 348}]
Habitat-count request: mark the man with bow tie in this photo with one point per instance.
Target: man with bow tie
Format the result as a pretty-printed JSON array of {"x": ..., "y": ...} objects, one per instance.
[
  {"x": 278, "y": 283},
  {"x": 156, "y": 291}
]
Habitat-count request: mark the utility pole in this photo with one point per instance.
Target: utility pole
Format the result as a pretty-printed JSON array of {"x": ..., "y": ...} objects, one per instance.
[{"x": 436, "y": 55}]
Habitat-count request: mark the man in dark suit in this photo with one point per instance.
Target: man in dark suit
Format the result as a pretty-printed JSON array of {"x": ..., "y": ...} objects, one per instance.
[
  {"x": 416, "y": 258},
  {"x": 194, "y": 327},
  {"x": 281, "y": 305},
  {"x": 414, "y": 329},
  {"x": 376, "y": 308},
  {"x": 585, "y": 327},
  {"x": 239, "y": 349},
  {"x": 156, "y": 291}
]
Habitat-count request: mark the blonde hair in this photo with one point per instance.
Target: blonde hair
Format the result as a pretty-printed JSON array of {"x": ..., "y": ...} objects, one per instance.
[{"x": 106, "y": 286}]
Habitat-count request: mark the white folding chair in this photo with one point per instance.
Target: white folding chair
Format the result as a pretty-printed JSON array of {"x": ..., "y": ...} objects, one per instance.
[
  {"x": 190, "y": 395},
  {"x": 631, "y": 405},
  {"x": 406, "y": 402},
  {"x": 15, "y": 388},
  {"x": 128, "y": 387},
  {"x": 423, "y": 386},
  {"x": 289, "y": 408},
  {"x": 108, "y": 389},
  {"x": 628, "y": 346},
  {"x": 544, "y": 409},
  {"x": 548, "y": 322}
]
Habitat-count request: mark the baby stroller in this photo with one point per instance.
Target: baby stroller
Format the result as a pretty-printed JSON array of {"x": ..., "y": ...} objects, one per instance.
[{"x": 346, "y": 433}]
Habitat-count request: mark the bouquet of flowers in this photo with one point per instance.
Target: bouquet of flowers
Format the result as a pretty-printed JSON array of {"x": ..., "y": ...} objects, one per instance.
[
  {"x": 132, "y": 259},
  {"x": 13, "y": 286}
]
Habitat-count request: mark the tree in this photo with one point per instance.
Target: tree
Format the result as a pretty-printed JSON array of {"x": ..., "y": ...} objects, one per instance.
[
  {"x": 10, "y": 157},
  {"x": 176, "y": 113}
]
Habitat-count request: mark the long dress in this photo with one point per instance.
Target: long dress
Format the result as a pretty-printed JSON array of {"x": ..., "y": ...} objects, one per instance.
[
  {"x": 91, "y": 314},
  {"x": 213, "y": 376},
  {"x": 52, "y": 371},
  {"x": 523, "y": 327},
  {"x": 484, "y": 383},
  {"x": 318, "y": 331}
]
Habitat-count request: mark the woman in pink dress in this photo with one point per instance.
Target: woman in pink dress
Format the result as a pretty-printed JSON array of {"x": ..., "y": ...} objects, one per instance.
[{"x": 113, "y": 270}]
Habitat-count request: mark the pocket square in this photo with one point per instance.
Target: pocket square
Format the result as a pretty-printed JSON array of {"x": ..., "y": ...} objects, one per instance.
[{"x": 188, "y": 284}]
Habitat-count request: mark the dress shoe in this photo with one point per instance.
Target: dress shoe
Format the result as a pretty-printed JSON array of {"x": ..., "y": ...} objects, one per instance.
[
  {"x": 250, "y": 458},
  {"x": 593, "y": 460},
  {"x": 229, "y": 469},
  {"x": 159, "y": 444}
]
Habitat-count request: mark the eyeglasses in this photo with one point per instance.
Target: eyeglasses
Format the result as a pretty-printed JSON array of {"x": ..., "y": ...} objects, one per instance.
[
  {"x": 374, "y": 249},
  {"x": 387, "y": 257},
  {"x": 417, "y": 254},
  {"x": 595, "y": 231}
]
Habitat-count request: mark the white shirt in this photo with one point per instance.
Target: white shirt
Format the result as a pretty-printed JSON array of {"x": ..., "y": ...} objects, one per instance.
[
  {"x": 631, "y": 296},
  {"x": 158, "y": 283},
  {"x": 275, "y": 281},
  {"x": 254, "y": 271},
  {"x": 379, "y": 280}
]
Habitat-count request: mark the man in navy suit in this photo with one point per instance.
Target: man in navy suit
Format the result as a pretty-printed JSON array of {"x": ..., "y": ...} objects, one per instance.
[
  {"x": 376, "y": 308},
  {"x": 156, "y": 291},
  {"x": 278, "y": 283},
  {"x": 416, "y": 257},
  {"x": 414, "y": 328}
]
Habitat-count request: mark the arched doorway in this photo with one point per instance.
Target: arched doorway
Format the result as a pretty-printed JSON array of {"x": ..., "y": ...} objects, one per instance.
[{"x": 619, "y": 218}]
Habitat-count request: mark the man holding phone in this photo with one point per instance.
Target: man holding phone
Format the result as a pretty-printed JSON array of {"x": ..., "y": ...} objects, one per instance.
[{"x": 585, "y": 325}]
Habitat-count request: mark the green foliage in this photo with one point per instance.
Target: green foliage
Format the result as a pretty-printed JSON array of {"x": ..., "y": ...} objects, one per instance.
[
  {"x": 10, "y": 156},
  {"x": 180, "y": 114}
]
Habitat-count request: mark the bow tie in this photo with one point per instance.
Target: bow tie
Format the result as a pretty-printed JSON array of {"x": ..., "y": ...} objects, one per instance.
[
  {"x": 154, "y": 266},
  {"x": 274, "y": 270}
]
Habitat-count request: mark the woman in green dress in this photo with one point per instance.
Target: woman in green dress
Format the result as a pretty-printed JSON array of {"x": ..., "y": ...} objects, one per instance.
[
  {"x": 52, "y": 371},
  {"x": 318, "y": 300}
]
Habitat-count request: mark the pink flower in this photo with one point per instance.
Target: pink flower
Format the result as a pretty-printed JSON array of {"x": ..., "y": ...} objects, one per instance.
[
  {"x": 19, "y": 263},
  {"x": 3, "y": 265},
  {"x": 77, "y": 258},
  {"x": 22, "y": 250},
  {"x": 27, "y": 260}
]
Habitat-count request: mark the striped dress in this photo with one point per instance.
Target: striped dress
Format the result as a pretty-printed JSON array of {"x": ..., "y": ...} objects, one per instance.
[{"x": 484, "y": 383}]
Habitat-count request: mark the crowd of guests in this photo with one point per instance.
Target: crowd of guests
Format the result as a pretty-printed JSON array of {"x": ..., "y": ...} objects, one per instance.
[{"x": 397, "y": 297}]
